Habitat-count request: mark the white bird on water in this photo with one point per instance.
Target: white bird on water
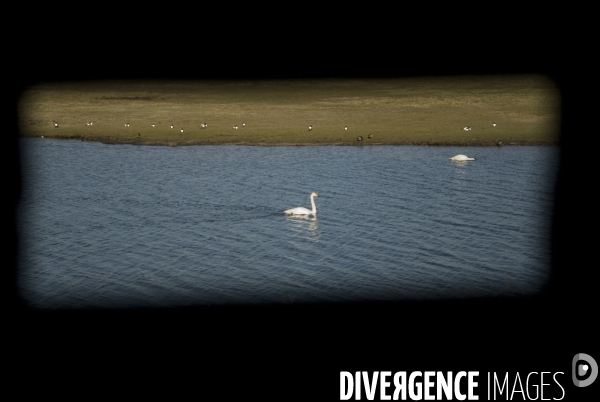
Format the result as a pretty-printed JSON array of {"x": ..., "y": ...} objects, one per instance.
[
  {"x": 302, "y": 210},
  {"x": 462, "y": 158}
]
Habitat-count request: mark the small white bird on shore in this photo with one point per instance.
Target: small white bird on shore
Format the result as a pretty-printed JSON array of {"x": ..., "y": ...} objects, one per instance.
[
  {"x": 310, "y": 127},
  {"x": 467, "y": 128}
]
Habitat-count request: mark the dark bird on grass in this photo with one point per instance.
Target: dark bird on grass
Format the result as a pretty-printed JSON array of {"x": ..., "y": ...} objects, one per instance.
[
  {"x": 359, "y": 138},
  {"x": 139, "y": 135}
]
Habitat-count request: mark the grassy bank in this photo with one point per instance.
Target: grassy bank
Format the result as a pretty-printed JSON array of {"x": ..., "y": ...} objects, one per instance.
[{"x": 394, "y": 111}]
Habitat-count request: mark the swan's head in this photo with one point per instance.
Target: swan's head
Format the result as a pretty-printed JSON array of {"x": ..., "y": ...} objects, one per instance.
[{"x": 314, "y": 195}]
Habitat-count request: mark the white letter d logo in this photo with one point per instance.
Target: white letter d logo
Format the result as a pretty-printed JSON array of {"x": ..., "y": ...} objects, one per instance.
[{"x": 582, "y": 364}]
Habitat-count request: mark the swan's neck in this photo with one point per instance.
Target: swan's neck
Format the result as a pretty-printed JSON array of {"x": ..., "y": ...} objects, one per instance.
[{"x": 312, "y": 201}]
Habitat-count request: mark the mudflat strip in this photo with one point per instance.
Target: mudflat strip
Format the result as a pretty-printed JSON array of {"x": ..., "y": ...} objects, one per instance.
[{"x": 498, "y": 110}]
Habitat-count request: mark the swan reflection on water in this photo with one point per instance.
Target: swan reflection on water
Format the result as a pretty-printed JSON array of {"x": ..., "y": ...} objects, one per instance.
[
  {"x": 313, "y": 223},
  {"x": 302, "y": 218}
]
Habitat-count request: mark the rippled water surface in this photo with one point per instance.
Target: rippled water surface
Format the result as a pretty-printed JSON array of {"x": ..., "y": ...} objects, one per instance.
[{"x": 127, "y": 226}]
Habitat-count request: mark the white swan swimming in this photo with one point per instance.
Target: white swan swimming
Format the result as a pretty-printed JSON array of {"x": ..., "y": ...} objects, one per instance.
[
  {"x": 462, "y": 158},
  {"x": 302, "y": 210}
]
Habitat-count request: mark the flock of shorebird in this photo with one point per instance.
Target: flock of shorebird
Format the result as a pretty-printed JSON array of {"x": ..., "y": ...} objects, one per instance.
[{"x": 235, "y": 127}]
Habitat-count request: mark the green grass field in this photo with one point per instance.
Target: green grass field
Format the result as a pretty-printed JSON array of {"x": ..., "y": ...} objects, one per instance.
[{"x": 395, "y": 111}]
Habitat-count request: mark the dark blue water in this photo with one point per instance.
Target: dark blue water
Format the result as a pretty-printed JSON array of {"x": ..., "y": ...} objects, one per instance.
[{"x": 128, "y": 226}]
